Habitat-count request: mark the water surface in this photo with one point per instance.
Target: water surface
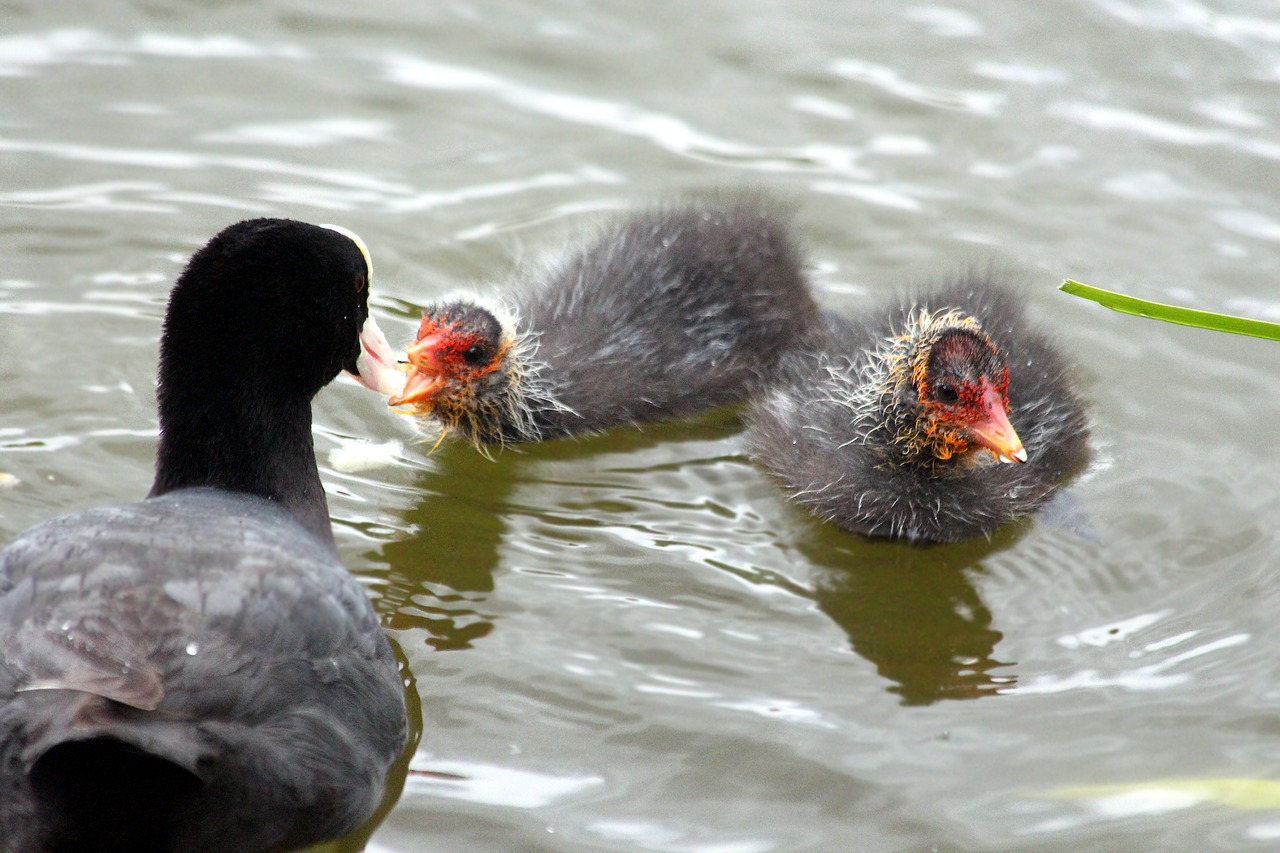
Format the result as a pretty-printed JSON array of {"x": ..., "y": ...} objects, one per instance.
[{"x": 630, "y": 642}]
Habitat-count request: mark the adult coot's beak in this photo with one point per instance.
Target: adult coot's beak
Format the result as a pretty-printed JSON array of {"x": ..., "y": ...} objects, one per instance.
[
  {"x": 426, "y": 373},
  {"x": 992, "y": 429},
  {"x": 377, "y": 367}
]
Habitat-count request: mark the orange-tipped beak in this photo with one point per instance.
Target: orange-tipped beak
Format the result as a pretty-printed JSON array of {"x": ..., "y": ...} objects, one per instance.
[
  {"x": 426, "y": 373},
  {"x": 993, "y": 430}
]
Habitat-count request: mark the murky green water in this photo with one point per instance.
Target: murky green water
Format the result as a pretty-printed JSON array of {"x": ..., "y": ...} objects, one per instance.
[{"x": 630, "y": 642}]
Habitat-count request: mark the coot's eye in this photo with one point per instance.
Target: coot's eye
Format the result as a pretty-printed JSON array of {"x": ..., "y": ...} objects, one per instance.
[
  {"x": 361, "y": 283},
  {"x": 475, "y": 354},
  {"x": 946, "y": 393}
]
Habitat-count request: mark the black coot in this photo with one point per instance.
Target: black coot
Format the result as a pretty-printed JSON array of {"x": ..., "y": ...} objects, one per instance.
[
  {"x": 666, "y": 313},
  {"x": 898, "y": 424},
  {"x": 198, "y": 671}
]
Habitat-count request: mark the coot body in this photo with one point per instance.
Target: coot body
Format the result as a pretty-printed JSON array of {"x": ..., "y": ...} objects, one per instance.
[
  {"x": 667, "y": 312},
  {"x": 198, "y": 671},
  {"x": 899, "y": 423}
]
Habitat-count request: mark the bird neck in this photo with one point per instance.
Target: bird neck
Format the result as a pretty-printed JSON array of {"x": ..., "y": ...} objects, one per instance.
[
  {"x": 899, "y": 422},
  {"x": 533, "y": 407},
  {"x": 243, "y": 442}
]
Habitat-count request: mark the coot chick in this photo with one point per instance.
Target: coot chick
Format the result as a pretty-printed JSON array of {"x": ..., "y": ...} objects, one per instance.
[
  {"x": 198, "y": 671},
  {"x": 936, "y": 420},
  {"x": 668, "y": 312}
]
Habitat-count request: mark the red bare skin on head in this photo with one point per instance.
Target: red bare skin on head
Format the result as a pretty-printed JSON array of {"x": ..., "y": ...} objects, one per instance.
[
  {"x": 965, "y": 396},
  {"x": 446, "y": 347},
  {"x": 948, "y": 422},
  {"x": 446, "y": 361}
]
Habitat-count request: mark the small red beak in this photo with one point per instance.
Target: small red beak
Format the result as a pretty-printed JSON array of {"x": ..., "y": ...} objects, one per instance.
[
  {"x": 992, "y": 429},
  {"x": 426, "y": 374}
]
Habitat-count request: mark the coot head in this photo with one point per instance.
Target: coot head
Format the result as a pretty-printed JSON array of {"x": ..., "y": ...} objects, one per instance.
[
  {"x": 238, "y": 315},
  {"x": 466, "y": 372},
  {"x": 264, "y": 316},
  {"x": 944, "y": 392}
]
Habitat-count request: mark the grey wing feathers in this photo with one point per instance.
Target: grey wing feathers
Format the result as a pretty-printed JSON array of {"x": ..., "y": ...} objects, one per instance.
[{"x": 154, "y": 603}]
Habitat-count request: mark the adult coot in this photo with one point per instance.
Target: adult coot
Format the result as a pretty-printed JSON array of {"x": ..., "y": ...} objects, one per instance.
[
  {"x": 668, "y": 312},
  {"x": 937, "y": 419},
  {"x": 197, "y": 671}
]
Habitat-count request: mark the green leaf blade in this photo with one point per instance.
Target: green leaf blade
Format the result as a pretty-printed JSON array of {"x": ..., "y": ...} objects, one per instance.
[{"x": 1172, "y": 313}]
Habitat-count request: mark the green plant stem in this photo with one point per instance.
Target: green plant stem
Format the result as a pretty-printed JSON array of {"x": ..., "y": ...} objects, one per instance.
[{"x": 1174, "y": 314}]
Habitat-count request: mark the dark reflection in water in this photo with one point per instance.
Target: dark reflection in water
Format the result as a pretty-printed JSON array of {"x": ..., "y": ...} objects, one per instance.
[
  {"x": 914, "y": 612},
  {"x": 441, "y": 575}
]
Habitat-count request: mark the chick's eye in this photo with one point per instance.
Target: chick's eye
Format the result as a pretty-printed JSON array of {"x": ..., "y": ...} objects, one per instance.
[
  {"x": 475, "y": 354},
  {"x": 946, "y": 393}
]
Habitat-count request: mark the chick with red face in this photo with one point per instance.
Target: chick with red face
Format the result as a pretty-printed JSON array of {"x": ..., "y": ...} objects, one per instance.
[
  {"x": 464, "y": 373},
  {"x": 936, "y": 420},
  {"x": 965, "y": 389},
  {"x": 945, "y": 392},
  {"x": 667, "y": 312}
]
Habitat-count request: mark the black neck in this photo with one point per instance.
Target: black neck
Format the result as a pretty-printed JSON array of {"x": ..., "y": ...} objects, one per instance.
[{"x": 243, "y": 443}]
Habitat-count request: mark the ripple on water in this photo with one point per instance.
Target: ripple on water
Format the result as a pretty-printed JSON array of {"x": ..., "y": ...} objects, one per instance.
[
  {"x": 28, "y": 53},
  {"x": 633, "y": 641}
]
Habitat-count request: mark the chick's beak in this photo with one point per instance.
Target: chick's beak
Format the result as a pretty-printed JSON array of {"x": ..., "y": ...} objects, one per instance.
[
  {"x": 426, "y": 373},
  {"x": 377, "y": 367},
  {"x": 992, "y": 429}
]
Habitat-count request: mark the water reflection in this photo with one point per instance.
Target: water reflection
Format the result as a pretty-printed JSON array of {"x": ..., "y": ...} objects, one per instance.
[
  {"x": 442, "y": 574},
  {"x": 913, "y": 612},
  {"x": 443, "y": 571}
]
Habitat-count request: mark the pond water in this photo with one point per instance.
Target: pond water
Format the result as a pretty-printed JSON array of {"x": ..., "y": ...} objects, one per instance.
[{"x": 631, "y": 642}]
